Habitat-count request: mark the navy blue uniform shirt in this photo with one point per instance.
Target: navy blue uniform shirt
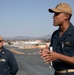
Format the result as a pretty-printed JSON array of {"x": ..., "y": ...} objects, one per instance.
[
  {"x": 8, "y": 65},
  {"x": 63, "y": 45}
]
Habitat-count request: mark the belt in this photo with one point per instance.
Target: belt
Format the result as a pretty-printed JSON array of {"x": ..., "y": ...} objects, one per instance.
[{"x": 65, "y": 71}]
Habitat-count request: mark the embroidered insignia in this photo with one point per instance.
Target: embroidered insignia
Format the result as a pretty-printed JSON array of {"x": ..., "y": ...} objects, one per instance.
[
  {"x": 67, "y": 43},
  {"x": 2, "y": 60},
  {"x": 2, "y": 52}
]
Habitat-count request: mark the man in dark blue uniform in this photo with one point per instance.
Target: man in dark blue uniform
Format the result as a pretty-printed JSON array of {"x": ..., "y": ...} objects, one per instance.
[
  {"x": 62, "y": 41},
  {"x": 8, "y": 64}
]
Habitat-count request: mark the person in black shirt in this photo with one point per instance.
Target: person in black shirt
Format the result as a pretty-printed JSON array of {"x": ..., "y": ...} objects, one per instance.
[{"x": 62, "y": 41}]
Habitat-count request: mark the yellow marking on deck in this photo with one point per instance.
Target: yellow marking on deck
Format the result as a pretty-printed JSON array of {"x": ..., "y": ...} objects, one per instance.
[{"x": 16, "y": 52}]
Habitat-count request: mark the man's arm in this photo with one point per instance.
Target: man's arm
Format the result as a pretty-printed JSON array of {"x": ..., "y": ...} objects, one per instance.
[
  {"x": 66, "y": 59},
  {"x": 52, "y": 56}
]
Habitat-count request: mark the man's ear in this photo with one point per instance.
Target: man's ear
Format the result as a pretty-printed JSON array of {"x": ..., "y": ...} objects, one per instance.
[{"x": 67, "y": 16}]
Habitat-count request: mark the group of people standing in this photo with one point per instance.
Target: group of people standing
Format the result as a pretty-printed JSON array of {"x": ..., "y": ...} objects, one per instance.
[{"x": 62, "y": 43}]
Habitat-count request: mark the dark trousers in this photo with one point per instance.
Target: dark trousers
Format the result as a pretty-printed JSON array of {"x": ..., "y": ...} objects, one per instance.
[{"x": 72, "y": 73}]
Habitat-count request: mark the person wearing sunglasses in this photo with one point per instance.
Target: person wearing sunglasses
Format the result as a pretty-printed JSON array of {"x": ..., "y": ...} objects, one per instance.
[
  {"x": 62, "y": 41},
  {"x": 8, "y": 64}
]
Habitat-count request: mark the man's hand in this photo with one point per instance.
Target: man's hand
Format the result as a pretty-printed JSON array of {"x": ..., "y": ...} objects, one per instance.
[
  {"x": 44, "y": 51},
  {"x": 48, "y": 55}
]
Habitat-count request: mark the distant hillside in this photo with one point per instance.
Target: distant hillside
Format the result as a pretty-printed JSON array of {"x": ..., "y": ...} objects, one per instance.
[
  {"x": 19, "y": 38},
  {"x": 46, "y": 36},
  {"x": 26, "y": 37}
]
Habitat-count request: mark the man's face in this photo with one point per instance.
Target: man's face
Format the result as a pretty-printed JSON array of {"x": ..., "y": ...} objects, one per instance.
[
  {"x": 1, "y": 43},
  {"x": 59, "y": 19}
]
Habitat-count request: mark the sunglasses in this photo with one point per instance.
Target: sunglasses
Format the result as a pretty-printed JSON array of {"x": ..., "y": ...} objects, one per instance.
[{"x": 1, "y": 40}]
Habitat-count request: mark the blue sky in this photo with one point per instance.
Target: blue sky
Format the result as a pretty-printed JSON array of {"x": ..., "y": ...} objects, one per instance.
[{"x": 28, "y": 17}]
